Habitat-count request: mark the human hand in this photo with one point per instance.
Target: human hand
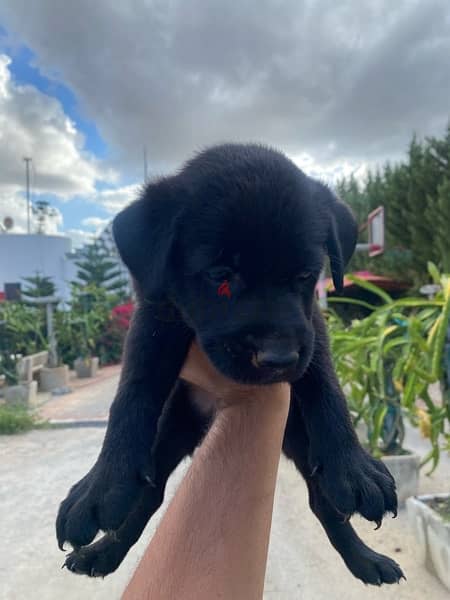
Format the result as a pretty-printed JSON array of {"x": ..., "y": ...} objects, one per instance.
[{"x": 200, "y": 371}]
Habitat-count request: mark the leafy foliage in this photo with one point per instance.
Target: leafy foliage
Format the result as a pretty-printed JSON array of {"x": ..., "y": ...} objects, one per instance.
[
  {"x": 15, "y": 419},
  {"x": 39, "y": 286},
  {"x": 416, "y": 197},
  {"x": 97, "y": 267},
  {"x": 387, "y": 362},
  {"x": 89, "y": 327}
]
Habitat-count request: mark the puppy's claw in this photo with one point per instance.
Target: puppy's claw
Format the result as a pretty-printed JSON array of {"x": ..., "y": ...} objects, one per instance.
[
  {"x": 64, "y": 565},
  {"x": 394, "y": 514},
  {"x": 379, "y": 523}
]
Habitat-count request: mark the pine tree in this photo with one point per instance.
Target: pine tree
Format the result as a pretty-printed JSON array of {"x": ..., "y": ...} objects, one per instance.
[
  {"x": 39, "y": 286},
  {"x": 416, "y": 197},
  {"x": 439, "y": 217},
  {"x": 97, "y": 267},
  {"x": 440, "y": 152}
]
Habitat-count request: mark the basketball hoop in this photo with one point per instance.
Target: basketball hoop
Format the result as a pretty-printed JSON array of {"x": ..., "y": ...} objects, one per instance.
[
  {"x": 375, "y": 247},
  {"x": 375, "y": 223}
]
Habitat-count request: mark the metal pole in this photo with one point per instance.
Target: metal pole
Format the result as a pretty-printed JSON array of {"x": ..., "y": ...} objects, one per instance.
[
  {"x": 27, "y": 173},
  {"x": 52, "y": 355}
]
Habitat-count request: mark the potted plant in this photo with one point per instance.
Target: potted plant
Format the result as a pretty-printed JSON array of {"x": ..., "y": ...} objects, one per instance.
[
  {"x": 85, "y": 332},
  {"x": 386, "y": 362},
  {"x": 14, "y": 390},
  {"x": 430, "y": 519},
  {"x": 86, "y": 366},
  {"x": 366, "y": 375},
  {"x": 430, "y": 515},
  {"x": 55, "y": 376},
  {"x": 21, "y": 334}
]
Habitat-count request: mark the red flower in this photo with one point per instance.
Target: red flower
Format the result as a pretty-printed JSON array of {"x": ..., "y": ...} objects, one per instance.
[{"x": 122, "y": 314}]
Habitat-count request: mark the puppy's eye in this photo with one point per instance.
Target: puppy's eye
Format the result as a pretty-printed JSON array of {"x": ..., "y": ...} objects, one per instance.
[{"x": 219, "y": 274}]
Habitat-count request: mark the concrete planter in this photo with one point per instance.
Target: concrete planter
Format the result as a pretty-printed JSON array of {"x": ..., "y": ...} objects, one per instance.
[
  {"x": 433, "y": 536},
  {"x": 23, "y": 393},
  {"x": 405, "y": 470},
  {"x": 86, "y": 367},
  {"x": 51, "y": 378}
]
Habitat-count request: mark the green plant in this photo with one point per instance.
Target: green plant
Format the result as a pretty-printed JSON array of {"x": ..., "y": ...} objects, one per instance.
[
  {"x": 99, "y": 267},
  {"x": 22, "y": 332},
  {"x": 387, "y": 361},
  {"x": 15, "y": 419},
  {"x": 416, "y": 195},
  {"x": 38, "y": 286},
  {"x": 88, "y": 328},
  {"x": 8, "y": 368}
]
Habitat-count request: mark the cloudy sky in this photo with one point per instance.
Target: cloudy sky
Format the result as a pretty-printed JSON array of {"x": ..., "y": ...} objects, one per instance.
[{"x": 85, "y": 86}]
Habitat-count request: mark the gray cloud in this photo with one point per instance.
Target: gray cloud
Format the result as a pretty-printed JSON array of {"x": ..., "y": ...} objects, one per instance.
[{"x": 346, "y": 81}]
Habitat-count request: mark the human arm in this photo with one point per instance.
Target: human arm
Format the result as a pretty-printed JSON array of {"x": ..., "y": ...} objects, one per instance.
[{"x": 212, "y": 542}]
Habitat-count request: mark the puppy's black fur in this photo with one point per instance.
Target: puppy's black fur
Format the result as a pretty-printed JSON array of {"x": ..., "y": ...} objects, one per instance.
[{"x": 245, "y": 215}]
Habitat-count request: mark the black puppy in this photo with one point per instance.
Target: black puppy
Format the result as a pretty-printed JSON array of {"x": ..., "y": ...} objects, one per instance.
[{"x": 228, "y": 250}]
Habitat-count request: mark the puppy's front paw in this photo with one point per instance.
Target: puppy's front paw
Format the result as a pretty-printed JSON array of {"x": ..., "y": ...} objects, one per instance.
[
  {"x": 100, "y": 501},
  {"x": 98, "y": 559},
  {"x": 372, "y": 568},
  {"x": 354, "y": 481}
]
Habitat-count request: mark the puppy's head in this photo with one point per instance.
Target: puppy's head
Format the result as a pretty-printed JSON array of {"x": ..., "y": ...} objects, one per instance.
[{"x": 237, "y": 241}]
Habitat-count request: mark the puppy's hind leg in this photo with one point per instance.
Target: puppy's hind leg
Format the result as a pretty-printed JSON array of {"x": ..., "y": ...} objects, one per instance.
[
  {"x": 181, "y": 430},
  {"x": 364, "y": 563}
]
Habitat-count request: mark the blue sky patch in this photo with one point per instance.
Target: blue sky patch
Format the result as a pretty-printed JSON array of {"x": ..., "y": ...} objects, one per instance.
[{"x": 24, "y": 71}]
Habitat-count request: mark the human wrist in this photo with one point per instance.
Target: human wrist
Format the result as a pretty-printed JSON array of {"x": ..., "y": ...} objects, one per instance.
[
  {"x": 254, "y": 411},
  {"x": 261, "y": 399}
]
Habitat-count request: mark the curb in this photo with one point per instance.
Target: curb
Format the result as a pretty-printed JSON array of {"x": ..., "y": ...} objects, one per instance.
[{"x": 73, "y": 423}]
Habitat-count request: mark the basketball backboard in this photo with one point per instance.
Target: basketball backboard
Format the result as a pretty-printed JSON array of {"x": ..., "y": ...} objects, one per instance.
[{"x": 375, "y": 223}]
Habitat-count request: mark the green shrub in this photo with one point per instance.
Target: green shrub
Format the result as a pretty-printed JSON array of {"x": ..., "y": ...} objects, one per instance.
[
  {"x": 88, "y": 328},
  {"x": 387, "y": 361},
  {"x": 15, "y": 419}
]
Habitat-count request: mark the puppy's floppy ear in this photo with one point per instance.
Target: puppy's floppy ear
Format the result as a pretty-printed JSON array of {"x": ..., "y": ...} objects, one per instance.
[
  {"x": 145, "y": 232},
  {"x": 341, "y": 240}
]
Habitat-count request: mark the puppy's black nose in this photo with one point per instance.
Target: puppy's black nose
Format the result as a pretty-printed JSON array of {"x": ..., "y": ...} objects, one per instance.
[{"x": 276, "y": 360}]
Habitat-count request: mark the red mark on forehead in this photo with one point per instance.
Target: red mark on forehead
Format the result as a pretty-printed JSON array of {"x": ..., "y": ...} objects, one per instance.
[{"x": 224, "y": 289}]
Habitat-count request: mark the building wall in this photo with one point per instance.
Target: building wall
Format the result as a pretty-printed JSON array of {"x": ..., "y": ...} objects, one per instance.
[{"x": 22, "y": 255}]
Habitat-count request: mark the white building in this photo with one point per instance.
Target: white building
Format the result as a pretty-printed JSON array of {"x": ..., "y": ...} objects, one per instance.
[{"x": 24, "y": 255}]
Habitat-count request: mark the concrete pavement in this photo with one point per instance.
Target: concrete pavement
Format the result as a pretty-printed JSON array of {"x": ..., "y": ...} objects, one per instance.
[
  {"x": 89, "y": 401},
  {"x": 37, "y": 469}
]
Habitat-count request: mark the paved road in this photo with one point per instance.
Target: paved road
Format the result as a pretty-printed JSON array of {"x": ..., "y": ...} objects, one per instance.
[
  {"x": 90, "y": 399},
  {"x": 37, "y": 468}
]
